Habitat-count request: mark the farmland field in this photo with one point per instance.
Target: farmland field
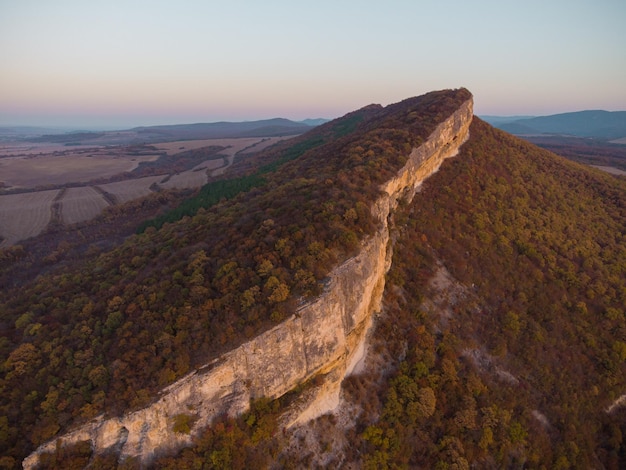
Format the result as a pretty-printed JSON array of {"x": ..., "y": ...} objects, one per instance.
[
  {"x": 53, "y": 169},
  {"x": 125, "y": 191},
  {"x": 25, "y": 215},
  {"x": 80, "y": 204},
  {"x": 266, "y": 142},
  {"x": 196, "y": 178},
  {"x": 186, "y": 179},
  {"x": 40, "y": 167},
  {"x": 235, "y": 145},
  {"x": 172, "y": 148},
  {"x": 31, "y": 149}
]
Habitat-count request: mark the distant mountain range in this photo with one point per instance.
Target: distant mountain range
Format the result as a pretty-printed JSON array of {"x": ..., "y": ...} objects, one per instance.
[
  {"x": 605, "y": 125},
  {"x": 18, "y": 132},
  {"x": 163, "y": 133},
  {"x": 263, "y": 128}
]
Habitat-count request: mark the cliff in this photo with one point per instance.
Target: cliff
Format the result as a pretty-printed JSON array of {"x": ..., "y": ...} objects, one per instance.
[{"x": 323, "y": 338}]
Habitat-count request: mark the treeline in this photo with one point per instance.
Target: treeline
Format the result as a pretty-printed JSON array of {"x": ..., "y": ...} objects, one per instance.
[
  {"x": 215, "y": 191},
  {"x": 179, "y": 162},
  {"x": 209, "y": 195}
]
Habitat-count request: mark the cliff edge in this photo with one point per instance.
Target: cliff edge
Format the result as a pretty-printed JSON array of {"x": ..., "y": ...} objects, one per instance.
[{"x": 325, "y": 337}]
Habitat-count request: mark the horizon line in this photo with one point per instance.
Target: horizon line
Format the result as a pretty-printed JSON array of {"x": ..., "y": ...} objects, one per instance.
[{"x": 108, "y": 127}]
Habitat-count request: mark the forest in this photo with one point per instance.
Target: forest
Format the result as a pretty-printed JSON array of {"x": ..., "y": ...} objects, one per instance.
[
  {"x": 515, "y": 363},
  {"x": 521, "y": 370},
  {"x": 104, "y": 331},
  {"x": 502, "y": 337}
]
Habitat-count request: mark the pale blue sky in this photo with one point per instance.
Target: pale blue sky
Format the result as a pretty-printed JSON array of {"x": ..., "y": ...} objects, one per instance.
[{"x": 131, "y": 62}]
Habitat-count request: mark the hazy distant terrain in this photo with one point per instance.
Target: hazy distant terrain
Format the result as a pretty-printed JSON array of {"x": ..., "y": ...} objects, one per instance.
[
  {"x": 165, "y": 133},
  {"x": 499, "y": 120},
  {"x": 12, "y": 132},
  {"x": 591, "y": 137},
  {"x": 84, "y": 182},
  {"x": 500, "y": 342},
  {"x": 597, "y": 124},
  {"x": 65, "y": 178},
  {"x": 599, "y": 153}
]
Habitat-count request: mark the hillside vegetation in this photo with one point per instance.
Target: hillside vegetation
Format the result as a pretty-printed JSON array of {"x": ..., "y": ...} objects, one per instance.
[
  {"x": 106, "y": 333},
  {"x": 502, "y": 342},
  {"x": 526, "y": 350},
  {"x": 502, "y": 338}
]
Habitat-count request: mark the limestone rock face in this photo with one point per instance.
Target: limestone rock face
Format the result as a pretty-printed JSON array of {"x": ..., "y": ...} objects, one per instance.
[{"x": 324, "y": 337}]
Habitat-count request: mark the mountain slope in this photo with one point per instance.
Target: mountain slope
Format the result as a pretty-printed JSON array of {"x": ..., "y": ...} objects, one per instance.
[
  {"x": 503, "y": 336},
  {"x": 109, "y": 332},
  {"x": 537, "y": 245},
  {"x": 502, "y": 339},
  {"x": 502, "y": 342}
]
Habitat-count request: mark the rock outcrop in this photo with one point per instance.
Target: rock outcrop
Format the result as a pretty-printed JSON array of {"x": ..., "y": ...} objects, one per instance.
[{"x": 323, "y": 338}]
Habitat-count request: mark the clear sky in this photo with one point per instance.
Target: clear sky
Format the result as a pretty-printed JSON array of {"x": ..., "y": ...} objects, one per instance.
[{"x": 131, "y": 62}]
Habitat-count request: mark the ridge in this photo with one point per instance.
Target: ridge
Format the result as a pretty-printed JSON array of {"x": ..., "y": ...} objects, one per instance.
[{"x": 337, "y": 322}]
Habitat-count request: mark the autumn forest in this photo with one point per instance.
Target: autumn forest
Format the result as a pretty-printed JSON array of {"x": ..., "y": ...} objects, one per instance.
[{"x": 501, "y": 342}]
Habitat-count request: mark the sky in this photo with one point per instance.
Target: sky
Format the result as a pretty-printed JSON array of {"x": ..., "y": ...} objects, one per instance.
[{"x": 123, "y": 63}]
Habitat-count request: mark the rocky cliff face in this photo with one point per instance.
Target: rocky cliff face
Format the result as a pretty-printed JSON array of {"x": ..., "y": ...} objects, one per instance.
[{"x": 325, "y": 337}]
